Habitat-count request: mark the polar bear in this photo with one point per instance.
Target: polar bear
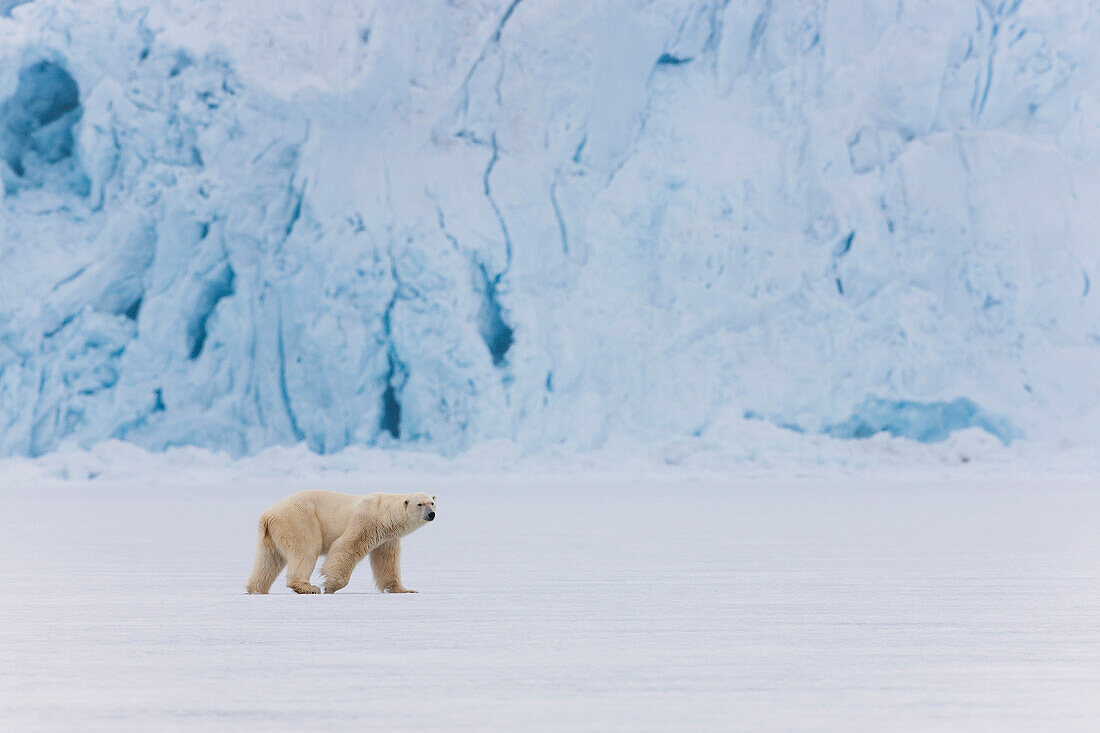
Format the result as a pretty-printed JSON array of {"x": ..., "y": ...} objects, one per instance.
[{"x": 343, "y": 527}]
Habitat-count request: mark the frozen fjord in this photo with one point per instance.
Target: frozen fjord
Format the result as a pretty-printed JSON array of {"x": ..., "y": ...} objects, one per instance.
[{"x": 565, "y": 604}]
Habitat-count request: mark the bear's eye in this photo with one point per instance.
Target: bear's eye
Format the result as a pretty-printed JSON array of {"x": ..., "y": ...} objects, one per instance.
[{"x": 420, "y": 505}]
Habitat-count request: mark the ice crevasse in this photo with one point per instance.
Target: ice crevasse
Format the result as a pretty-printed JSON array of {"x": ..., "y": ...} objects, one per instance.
[{"x": 234, "y": 224}]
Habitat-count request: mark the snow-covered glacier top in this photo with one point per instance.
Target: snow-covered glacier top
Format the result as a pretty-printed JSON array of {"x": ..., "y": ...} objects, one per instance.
[{"x": 236, "y": 223}]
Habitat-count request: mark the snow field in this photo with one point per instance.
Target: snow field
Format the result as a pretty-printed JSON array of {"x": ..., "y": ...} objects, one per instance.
[{"x": 570, "y": 603}]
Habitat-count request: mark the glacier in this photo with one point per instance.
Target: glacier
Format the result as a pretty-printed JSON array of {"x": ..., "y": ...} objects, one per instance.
[{"x": 235, "y": 224}]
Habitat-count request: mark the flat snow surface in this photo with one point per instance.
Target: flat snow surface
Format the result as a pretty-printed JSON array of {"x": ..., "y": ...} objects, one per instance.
[{"x": 574, "y": 603}]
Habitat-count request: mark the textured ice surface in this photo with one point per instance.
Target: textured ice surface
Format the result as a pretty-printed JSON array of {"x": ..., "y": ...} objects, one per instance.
[
  {"x": 926, "y": 422},
  {"x": 437, "y": 223}
]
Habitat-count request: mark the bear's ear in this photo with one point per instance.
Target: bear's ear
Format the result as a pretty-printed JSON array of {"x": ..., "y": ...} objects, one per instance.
[{"x": 406, "y": 502}]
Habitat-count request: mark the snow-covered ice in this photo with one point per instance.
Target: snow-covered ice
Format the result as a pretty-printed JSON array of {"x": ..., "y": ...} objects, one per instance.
[
  {"x": 238, "y": 223},
  {"x": 591, "y": 600}
]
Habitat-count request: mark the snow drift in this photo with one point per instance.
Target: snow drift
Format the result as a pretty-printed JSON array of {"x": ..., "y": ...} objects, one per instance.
[{"x": 234, "y": 224}]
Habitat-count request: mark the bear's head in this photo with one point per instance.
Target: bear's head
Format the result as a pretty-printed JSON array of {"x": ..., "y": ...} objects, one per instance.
[{"x": 420, "y": 507}]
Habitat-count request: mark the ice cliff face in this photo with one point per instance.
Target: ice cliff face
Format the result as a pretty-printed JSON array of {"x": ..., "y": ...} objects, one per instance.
[{"x": 237, "y": 223}]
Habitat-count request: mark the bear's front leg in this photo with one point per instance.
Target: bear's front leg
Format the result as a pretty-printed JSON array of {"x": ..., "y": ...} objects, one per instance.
[
  {"x": 385, "y": 561},
  {"x": 341, "y": 560},
  {"x": 334, "y": 584}
]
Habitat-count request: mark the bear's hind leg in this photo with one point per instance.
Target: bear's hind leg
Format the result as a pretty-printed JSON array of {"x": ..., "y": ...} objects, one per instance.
[
  {"x": 269, "y": 563},
  {"x": 301, "y": 557},
  {"x": 298, "y": 571}
]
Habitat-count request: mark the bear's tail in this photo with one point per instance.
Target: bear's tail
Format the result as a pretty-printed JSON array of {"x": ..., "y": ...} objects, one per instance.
[{"x": 269, "y": 563}]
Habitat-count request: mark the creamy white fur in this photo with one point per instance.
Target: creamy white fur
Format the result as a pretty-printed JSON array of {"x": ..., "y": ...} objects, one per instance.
[{"x": 343, "y": 527}]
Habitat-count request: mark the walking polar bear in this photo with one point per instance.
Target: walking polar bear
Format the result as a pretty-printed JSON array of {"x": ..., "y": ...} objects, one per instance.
[{"x": 343, "y": 527}]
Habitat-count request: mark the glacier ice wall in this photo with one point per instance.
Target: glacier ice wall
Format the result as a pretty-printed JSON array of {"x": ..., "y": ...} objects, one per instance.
[{"x": 235, "y": 223}]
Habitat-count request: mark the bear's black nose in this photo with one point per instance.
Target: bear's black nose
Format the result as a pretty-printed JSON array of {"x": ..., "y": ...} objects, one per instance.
[{"x": 431, "y": 516}]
